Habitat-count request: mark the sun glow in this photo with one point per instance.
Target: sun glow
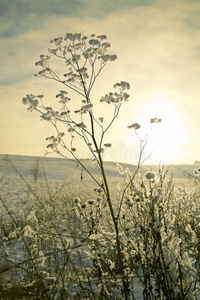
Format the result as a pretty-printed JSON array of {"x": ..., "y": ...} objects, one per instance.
[{"x": 165, "y": 138}]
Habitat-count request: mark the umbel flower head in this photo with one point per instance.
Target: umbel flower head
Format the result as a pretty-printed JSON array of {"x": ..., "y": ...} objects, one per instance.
[
  {"x": 72, "y": 48},
  {"x": 196, "y": 172},
  {"x": 117, "y": 97},
  {"x": 134, "y": 126},
  {"x": 150, "y": 175},
  {"x": 155, "y": 120}
]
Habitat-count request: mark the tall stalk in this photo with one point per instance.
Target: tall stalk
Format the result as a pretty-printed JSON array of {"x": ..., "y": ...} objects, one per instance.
[{"x": 80, "y": 54}]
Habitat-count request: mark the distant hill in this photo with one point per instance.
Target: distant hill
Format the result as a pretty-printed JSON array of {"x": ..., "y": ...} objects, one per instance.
[{"x": 60, "y": 168}]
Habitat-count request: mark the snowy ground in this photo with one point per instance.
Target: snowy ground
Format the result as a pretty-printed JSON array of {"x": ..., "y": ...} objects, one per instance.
[{"x": 57, "y": 172}]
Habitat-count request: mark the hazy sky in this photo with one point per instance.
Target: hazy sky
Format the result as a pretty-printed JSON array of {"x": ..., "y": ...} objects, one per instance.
[{"x": 158, "y": 47}]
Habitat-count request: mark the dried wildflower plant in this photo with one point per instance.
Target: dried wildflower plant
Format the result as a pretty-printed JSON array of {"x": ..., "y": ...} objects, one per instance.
[
  {"x": 85, "y": 58},
  {"x": 99, "y": 245}
]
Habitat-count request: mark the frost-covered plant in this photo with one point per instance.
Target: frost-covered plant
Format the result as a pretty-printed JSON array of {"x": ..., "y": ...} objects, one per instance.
[
  {"x": 161, "y": 237},
  {"x": 96, "y": 246},
  {"x": 65, "y": 248},
  {"x": 84, "y": 57}
]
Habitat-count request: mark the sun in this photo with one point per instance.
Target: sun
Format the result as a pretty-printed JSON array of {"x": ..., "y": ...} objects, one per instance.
[{"x": 166, "y": 138}]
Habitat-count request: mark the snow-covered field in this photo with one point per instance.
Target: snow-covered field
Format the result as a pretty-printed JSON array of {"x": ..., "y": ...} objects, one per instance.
[
  {"x": 65, "y": 169},
  {"x": 31, "y": 186}
]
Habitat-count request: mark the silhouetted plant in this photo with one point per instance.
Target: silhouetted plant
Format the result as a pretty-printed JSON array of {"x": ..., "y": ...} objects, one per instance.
[
  {"x": 85, "y": 59},
  {"x": 99, "y": 246}
]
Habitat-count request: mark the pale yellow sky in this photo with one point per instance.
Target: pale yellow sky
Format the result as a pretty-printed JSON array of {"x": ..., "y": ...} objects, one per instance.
[{"x": 158, "y": 49}]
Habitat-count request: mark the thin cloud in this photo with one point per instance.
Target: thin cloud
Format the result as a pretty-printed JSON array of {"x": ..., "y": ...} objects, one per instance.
[{"x": 22, "y": 15}]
